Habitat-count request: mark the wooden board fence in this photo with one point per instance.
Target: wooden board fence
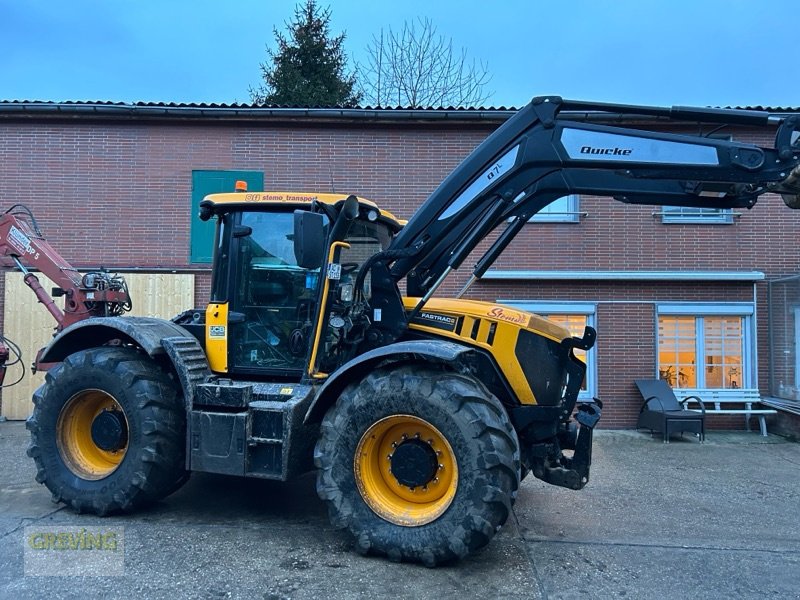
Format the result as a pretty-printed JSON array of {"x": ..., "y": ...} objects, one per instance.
[{"x": 28, "y": 324}]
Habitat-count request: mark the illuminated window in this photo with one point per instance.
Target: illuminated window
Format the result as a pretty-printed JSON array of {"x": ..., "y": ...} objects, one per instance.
[
  {"x": 677, "y": 351},
  {"x": 723, "y": 351},
  {"x": 704, "y": 351}
]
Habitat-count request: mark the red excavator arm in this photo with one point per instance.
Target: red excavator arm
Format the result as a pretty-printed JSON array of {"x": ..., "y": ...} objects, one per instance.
[{"x": 94, "y": 294}]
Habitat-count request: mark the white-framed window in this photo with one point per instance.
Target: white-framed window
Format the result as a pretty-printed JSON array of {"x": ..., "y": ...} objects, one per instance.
[
  {"x": 562, "y": 210},
  {"x": 684, "y": 214},
  {"x": 575, "y": 317},
  {"x": 705, "y": 346}
]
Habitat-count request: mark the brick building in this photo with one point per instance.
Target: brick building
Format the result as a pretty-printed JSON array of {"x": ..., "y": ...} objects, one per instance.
[{"x": 676, "y": 293}]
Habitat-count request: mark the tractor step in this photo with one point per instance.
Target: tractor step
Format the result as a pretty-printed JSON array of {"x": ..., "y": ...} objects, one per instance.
[
  {"x": 190, "y": 363},
  {"x": 251, "y": 429}
]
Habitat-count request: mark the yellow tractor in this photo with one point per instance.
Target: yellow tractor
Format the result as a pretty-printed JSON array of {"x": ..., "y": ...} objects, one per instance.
[{"x": 421, "y": 415}]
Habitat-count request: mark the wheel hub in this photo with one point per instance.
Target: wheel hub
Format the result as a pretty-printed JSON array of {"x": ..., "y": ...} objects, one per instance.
[
  {"x": 414, "y": 463},
  {"x": 405, "y": 470},
  {"x": 110, "y": 430},
  {"x": 92, "y": 434}
]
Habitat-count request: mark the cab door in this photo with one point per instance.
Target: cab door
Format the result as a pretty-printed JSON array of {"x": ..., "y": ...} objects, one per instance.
[{"x": 273, "y": 300}]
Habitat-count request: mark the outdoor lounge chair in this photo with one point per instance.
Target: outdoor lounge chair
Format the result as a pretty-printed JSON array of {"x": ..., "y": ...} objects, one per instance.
[{"x": 662, "y": 412}]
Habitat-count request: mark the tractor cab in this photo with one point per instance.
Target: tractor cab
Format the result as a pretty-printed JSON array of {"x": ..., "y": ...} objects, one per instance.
[{"x": 275, "y": 312}]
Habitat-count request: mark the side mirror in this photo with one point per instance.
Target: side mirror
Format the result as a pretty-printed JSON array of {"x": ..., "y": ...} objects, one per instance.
[
  {"x": 206, "y": 210},
  {"x": 309, "y": 239}
]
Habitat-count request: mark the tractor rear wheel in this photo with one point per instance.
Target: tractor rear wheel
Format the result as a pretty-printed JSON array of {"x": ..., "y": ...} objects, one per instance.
[
  {"x": 108, "y": 431},
  {"x": 418, "y": 464}
]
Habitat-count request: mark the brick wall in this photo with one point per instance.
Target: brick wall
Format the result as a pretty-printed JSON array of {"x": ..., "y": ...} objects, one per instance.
[{"x": 118, "y": 193}]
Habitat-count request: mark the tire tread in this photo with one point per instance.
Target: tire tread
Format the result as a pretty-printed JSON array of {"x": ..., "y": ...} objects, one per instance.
[
  {"x": 497, "y": 445},
  {"x": 161, "y": 418}
]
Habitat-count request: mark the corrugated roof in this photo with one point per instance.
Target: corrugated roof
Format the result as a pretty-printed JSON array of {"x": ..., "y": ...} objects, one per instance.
[
  {"x": 247, "y": 105},
  {"x": 245, "y": 112},
  {"x": 770, "y": 109}
]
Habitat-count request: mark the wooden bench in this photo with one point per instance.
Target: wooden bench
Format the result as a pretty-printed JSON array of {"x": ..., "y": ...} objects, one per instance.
[{"x": 731, "y": 402}]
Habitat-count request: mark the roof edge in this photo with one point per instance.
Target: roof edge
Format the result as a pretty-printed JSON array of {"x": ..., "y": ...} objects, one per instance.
[
  {"x": 28, "y": 110},
  {"x": 244, "y": 112}
]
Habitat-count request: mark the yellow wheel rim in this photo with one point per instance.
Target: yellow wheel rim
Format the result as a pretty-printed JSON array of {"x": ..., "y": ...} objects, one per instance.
[
  {"x": 376, "y": 470},
  {"x": 74, "y": 434}
]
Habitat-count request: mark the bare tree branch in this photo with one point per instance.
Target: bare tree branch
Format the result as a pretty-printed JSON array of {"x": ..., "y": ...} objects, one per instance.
[{"x": 418, "y": 67}]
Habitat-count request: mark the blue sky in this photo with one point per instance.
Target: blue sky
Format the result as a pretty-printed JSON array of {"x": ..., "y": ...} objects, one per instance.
[{"x": 701, "y": 52}]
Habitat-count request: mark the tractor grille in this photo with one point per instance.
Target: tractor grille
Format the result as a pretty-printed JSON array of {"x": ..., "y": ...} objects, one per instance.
[{"x": 543, "y": 362}]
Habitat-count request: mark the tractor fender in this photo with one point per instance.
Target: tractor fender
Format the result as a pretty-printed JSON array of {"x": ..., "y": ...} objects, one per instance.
[
  {"x": 429, "y": 351},
  {"x": 157, "y": 337},
  {"x": 145, "y": 332}
]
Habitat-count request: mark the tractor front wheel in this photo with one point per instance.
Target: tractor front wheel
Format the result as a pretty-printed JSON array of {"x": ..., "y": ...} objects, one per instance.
[
  {"x": 108, "y": 431},
  {"x": 418, "y": 464}
]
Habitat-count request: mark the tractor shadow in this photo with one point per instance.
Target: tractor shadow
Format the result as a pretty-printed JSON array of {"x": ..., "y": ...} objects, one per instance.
[{"x": 231, "y": 500}]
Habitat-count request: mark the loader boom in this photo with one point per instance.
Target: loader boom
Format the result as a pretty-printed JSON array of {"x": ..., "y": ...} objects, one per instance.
[{"x": 545, "y": 152}]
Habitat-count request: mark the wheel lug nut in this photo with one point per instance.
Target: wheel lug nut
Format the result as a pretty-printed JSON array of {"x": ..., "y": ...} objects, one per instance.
[
  {"x": 416, "y": 436},
  {"x": 441, "y": 467},
  {"x": 405, "y": 437},
  {"x": 430, "y": 442},
  {"x": 394, "y": 444}
]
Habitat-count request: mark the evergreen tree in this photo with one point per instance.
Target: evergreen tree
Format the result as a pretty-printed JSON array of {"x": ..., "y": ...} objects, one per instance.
[{"x": 308, "y": 68}]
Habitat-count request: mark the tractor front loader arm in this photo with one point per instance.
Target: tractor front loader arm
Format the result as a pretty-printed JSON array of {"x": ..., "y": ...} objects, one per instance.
[{"x": 553, "y": 147}]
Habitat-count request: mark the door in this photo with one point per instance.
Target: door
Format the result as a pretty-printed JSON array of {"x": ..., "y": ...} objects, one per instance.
[{"x": 273, "y": 300}]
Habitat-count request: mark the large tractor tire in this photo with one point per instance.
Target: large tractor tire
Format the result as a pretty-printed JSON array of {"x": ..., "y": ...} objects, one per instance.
[
  {"x": 418, "y": 464},
  {"x": 108, "y": 431}
]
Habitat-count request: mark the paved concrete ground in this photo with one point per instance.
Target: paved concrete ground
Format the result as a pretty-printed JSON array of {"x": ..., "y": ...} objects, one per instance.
[{"x": 683, "y": 520}]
